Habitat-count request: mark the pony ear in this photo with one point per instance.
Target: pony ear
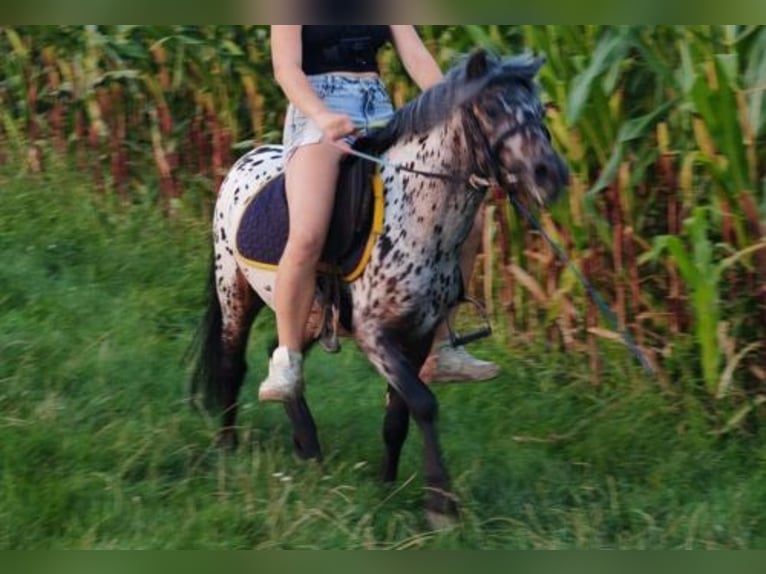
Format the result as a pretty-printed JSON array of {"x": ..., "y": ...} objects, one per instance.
[
  {"x": 538, "y": 62},
  {"x": 477, "y": 64}
]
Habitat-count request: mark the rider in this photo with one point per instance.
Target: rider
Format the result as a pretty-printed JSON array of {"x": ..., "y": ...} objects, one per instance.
[{"x": 330, "y": 77}]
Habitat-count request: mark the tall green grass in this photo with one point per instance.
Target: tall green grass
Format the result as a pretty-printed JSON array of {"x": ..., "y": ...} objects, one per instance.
[{"x": 100, "y": 449}]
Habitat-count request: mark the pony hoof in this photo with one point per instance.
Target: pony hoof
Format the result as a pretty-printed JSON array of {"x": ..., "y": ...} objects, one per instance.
[
  {"x": 330, "y": 343},
  {"x": 441, "y": 510},
  {"x": 440, "y": 521},
  {"x": 307, "y": 453}
]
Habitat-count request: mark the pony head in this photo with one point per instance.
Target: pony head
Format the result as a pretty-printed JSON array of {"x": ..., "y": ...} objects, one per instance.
[
  {"x": 501, "y": 124},
  {"x": 506, "y": 124}
]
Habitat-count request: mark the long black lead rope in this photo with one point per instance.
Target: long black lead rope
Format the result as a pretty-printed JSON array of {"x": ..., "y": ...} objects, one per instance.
[
  {"x": 491, "y": 153},
  {"x": 607, "y": 313}
]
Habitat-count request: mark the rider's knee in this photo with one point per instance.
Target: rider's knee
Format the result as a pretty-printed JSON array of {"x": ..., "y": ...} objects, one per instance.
[{"x": 304, "y": 246}]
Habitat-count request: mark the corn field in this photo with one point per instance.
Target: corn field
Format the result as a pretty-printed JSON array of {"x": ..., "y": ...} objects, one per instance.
[{"x": 662, "y": 126}]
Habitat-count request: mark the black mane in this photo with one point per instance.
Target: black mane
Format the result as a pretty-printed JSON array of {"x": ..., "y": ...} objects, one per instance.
[{"x": 458, "y": 87}]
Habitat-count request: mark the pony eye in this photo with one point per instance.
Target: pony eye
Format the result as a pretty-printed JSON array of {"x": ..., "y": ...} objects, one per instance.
[{"x": 494, "y": 113}]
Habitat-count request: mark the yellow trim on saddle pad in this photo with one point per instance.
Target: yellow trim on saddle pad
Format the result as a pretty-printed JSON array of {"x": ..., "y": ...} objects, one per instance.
[{"x": 375, "y": 231}]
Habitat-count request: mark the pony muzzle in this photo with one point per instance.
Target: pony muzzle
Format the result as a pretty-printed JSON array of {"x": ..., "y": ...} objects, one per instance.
[{"x": 546, "y": 179}]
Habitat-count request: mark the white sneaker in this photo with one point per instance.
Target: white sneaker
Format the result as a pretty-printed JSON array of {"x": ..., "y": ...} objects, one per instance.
[
  {"x": 285, "y": 380},
  {"x": 449, "y": 364}
]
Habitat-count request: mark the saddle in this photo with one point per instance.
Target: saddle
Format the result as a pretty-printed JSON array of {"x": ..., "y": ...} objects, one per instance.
[
  {"x": 353, "y": 217},
  {"x": 357, "y": 219}
]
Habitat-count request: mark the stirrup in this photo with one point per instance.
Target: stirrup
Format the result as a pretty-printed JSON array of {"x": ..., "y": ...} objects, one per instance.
[{"x": 456, "y": 339}]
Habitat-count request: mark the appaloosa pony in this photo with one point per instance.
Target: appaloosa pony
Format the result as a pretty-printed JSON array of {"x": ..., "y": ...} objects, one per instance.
[{"x": 482, "y": 126}]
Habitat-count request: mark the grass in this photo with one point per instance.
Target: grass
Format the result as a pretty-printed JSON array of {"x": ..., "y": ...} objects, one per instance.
[{"x": 99, "y": 449}]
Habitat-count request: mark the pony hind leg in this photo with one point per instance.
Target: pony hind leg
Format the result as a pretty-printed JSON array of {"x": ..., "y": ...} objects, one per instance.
[
  {"x": 221, "y": 364},
  {"x": 305, "y": 438},
  {"x": 240, "y": 306}
]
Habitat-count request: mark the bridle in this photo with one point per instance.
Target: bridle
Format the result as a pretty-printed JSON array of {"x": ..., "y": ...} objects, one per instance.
[{"x": 489, "y": 151}]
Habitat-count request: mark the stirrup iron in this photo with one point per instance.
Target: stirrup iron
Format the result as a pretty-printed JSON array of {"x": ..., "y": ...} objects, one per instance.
[{"x": 456, "y": 339}]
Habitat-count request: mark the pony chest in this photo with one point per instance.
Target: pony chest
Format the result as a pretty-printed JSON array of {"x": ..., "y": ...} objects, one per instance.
[{"x": 407, "y": 280}]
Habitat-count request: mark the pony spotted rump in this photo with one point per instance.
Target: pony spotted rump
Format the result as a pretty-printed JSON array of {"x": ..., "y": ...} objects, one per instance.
[{"x": 483, "y": 123}]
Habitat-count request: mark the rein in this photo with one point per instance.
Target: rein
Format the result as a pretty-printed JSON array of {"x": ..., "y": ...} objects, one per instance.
[{"x": 472, "y": 180}]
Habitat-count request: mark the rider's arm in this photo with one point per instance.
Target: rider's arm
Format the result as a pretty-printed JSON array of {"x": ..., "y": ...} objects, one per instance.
[
  {"x": 418, "y": 61},
  {"x": 287, "y": 60}
]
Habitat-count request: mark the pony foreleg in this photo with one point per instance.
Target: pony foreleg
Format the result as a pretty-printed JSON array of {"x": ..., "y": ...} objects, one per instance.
[
  {"x": 401, "y": 374},
  {"x": 396, "y": 425}
]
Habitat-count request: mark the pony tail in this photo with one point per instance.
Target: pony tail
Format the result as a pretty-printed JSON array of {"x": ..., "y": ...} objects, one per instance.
[{"x": 206, "y": 350}]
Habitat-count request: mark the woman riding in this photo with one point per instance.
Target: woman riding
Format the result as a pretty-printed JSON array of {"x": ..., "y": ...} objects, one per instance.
[{"x": 330, "y": 77}]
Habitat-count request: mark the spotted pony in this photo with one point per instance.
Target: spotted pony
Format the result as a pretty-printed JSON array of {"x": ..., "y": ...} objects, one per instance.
[{"x": 482, "y": 126}]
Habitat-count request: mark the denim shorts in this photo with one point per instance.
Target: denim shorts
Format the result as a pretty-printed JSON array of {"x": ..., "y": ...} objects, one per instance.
[{"x": 363, "y": 99}]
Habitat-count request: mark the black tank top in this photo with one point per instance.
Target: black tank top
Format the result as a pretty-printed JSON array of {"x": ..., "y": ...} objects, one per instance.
[{"x": 329, "y": 49}]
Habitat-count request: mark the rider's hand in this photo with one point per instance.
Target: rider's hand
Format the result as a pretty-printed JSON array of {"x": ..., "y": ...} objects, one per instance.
[{"x": 334, "y": 126}]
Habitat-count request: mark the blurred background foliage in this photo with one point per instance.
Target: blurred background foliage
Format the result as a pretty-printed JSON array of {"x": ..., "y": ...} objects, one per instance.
[{"x": 662, "y": 126}]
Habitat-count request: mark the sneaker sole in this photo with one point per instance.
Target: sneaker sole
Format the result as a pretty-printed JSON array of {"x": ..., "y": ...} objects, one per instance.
[
  {"x": 274, "y": 396},
  {"x": 446, "y": 379}
]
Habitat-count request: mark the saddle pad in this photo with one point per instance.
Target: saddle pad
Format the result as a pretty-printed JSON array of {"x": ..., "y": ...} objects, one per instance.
[{"x": 263, "y": 229}]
